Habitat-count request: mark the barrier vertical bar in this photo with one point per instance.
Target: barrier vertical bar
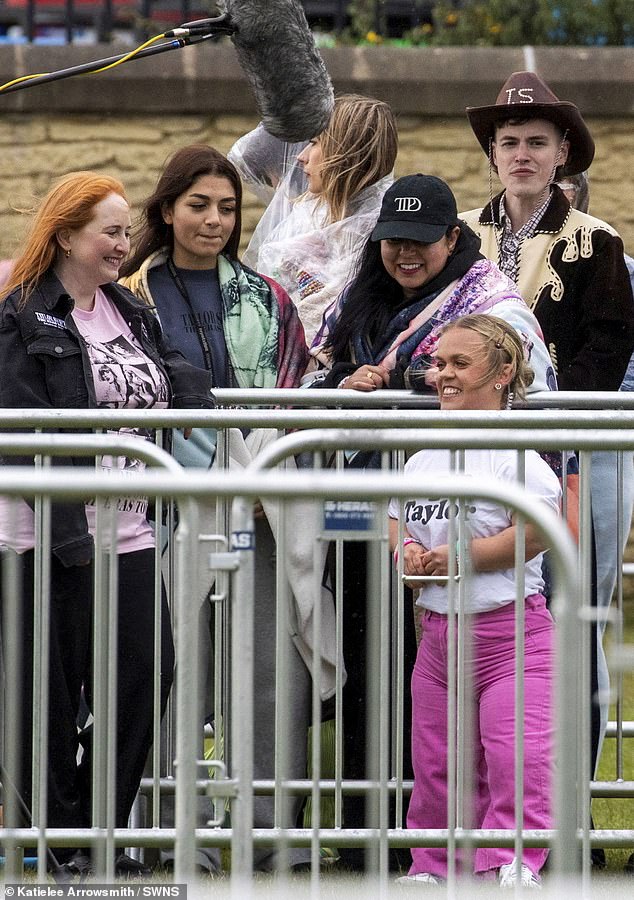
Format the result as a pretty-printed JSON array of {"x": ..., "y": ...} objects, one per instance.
[
  {"x": 338, "y": 586},
  {"x": 112, "y": 674},
  {"x": 618, "y": 624},
  {"x": 242, "y": 654},
  {"x": 282, "y": 731},
  {"x": 520, "y": 669},
  {"x": 11, "y": 624},
  {"x": 568, "y": 756},
  {"x": 160, "y": 509},
  {"x": 398, "y": 651},
  {"x": 384, "y": 700},
  {"x": 454, "y": 650},
  {"x": 459, "y": 568},
  {"x": 589, "y": 631},
  {"x": 316, "y": 721},
  {"x": 187, "y": 718},
  {"x": 41, "y": 662}
]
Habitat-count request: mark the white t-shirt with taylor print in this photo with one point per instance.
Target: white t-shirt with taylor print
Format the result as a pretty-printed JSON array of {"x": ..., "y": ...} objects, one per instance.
[{"x": 428, "y": 521}]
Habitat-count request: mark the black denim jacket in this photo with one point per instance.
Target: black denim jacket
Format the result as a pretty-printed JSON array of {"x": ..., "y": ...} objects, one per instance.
[{"x": 44, "y": 364}]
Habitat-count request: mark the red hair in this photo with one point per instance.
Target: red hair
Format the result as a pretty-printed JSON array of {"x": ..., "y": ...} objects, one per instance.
[{"x": 69, "y": 205}]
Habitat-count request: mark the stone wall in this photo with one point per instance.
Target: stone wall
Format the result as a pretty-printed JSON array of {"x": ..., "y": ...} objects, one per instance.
[
  {"x": 37, "y": 147},
  {"x": 127, "y": 120}
]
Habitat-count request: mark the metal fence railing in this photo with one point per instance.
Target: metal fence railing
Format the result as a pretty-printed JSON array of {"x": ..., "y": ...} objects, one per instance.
[{"x": 228, "y": 552}]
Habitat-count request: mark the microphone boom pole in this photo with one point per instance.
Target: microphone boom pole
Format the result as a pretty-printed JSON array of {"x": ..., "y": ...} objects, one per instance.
[{"x": 188, "y": 34}]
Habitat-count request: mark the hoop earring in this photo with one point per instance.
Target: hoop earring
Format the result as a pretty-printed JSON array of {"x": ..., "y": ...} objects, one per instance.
[{"x": 509, "y": 400}]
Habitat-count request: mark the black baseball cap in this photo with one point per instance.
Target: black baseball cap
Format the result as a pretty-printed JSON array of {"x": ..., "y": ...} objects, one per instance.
[{"x": 416, "y": 208}]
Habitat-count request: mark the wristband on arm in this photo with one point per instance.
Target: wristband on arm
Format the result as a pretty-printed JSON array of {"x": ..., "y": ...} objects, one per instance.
[{"x": 408, "y": 540}]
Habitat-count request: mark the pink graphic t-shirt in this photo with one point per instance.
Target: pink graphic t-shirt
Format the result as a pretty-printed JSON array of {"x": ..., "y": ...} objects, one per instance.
[{"x": 124, "y": 377}]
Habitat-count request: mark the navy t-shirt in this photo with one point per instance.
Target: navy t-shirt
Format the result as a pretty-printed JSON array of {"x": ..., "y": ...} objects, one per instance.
[{"x": 179, "y": 320}]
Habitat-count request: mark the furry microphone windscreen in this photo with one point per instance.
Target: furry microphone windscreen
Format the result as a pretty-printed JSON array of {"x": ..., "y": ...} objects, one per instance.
[{"x": 277, "y": 52}]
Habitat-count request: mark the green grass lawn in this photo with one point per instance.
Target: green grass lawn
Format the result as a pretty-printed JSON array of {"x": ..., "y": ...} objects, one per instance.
[
  {"x": 608, "y": 813},
  {"x": 619, "y": 813}
]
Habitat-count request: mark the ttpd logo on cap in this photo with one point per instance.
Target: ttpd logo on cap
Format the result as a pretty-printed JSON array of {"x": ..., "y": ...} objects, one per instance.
[
  {"x": 408, "y": 204},
  {"x": 416, "y": 208}
]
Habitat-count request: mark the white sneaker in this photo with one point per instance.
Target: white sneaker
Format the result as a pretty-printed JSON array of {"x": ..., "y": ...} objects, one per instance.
[
  {"x": 421, "y": 877},
  {"x": 508, "y": 876}
]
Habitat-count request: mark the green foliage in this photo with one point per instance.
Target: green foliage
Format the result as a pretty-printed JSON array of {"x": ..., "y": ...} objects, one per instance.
[
  {"x": 545, "y": 22},
  {"x": 362, "y": 18},
  {"x": 505, "y": 23}
]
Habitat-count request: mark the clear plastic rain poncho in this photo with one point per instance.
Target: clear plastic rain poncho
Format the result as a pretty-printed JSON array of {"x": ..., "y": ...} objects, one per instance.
[{"x": 293, "y": 242}]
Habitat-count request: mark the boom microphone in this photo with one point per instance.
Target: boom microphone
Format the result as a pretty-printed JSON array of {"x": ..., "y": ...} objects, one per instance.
[
  {"x": 277, "y": 52},
  {"x": 206, "y": 27}
]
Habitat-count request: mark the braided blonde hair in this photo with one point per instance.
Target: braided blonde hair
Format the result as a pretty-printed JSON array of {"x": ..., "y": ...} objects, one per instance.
[{"x": 502, "y": 346}]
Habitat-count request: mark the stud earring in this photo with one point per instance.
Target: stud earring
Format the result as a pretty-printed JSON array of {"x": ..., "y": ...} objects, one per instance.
[
  {"x": 497, "y": 386},
  {"x": 67, "y": 253}
]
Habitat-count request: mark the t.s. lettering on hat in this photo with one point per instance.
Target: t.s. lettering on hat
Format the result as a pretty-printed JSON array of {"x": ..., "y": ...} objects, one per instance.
[
  {"x": 416, "y": 208},
  {"x": 520, "y": 95},
  {"x": 525, "y": 95}
]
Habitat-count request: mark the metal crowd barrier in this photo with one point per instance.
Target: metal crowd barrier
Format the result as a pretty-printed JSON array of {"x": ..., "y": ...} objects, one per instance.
[{"x": 390, "y": 429}]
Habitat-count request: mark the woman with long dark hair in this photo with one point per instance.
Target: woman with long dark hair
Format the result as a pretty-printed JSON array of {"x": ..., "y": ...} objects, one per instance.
[
  {"x": 244, "y": 329},
  {"x": 421, "y": 268},
  {"x": 238, "y": 324}
]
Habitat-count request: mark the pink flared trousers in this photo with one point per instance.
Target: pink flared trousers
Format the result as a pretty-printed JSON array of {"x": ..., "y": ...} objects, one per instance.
[{"x": 491, "y": 682}]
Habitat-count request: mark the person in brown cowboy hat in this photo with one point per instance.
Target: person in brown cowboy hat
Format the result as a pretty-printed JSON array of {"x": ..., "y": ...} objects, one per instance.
[
  {"x": 570, "y": 269},
  {"x": 569, "y": 266}
]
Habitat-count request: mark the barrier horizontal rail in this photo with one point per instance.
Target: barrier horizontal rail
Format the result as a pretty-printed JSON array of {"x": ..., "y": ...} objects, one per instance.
[
  {"x": 360, "y": 787},
  {"x": 277, "y": 417},
  {"x": 15, "y": 482},
  {"x": 301, "y": 837},
  {"x": 506, "y": 438},
  {"x": 88, "y": 445},
  {"x": 628, "y": 729},
  {"x": 618, "y": 400}
]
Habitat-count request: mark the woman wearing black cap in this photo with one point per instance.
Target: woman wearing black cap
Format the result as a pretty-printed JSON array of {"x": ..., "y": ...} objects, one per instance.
[{"x": 420, "y": 269}]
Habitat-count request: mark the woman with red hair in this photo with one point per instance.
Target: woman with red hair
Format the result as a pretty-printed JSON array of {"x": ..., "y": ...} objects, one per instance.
[{"x": 63, "y": 322}]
